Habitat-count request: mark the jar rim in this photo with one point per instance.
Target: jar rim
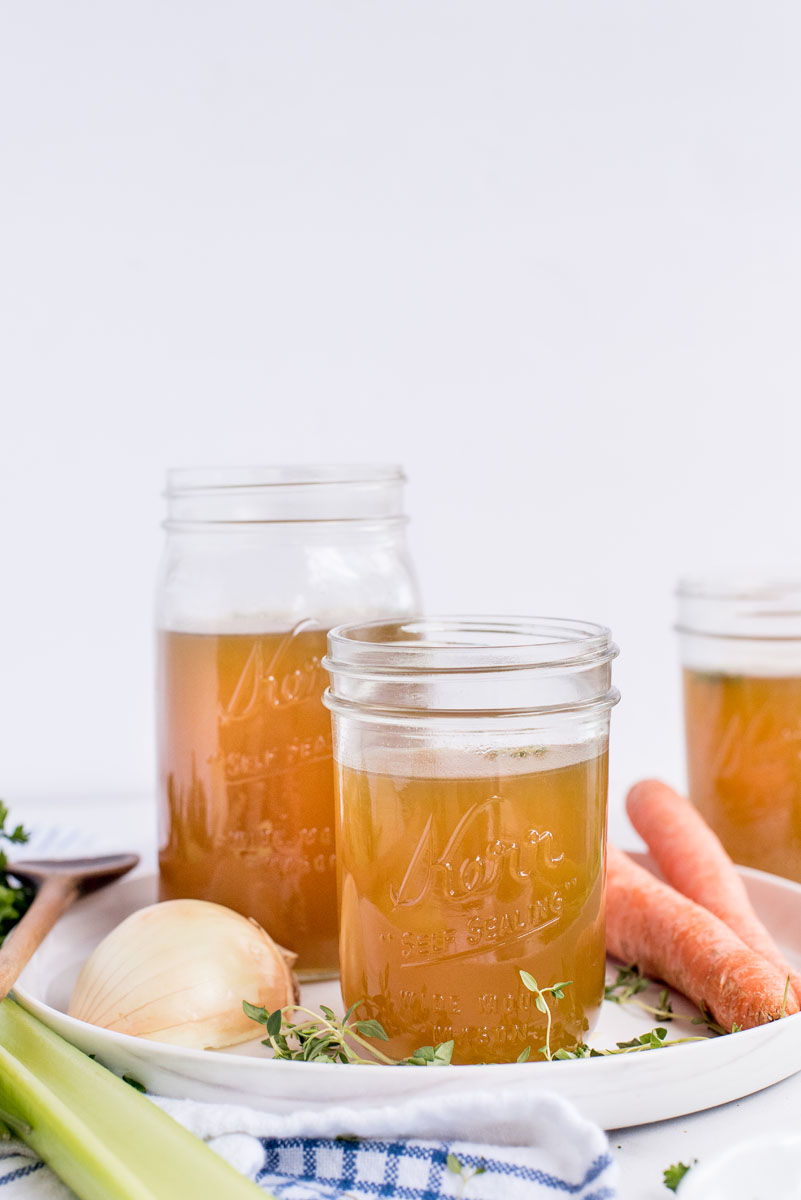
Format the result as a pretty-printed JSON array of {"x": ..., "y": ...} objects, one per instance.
[
  {"x": 184, "y": 480},
  {"x": 429, "y": 645},
  {"x": 282, "y": 495},
  {"x": 740, "y": 606},
  {"x": 470, "y": 669},
  {"x": 739, "y": 585}
]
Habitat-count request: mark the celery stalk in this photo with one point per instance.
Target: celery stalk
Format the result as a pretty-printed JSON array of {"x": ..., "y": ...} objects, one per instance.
[{"x": 104, "y": 1139}]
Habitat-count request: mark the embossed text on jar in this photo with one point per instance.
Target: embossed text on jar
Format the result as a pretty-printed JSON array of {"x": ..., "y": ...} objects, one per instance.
[{"x": 461, "y": 881}]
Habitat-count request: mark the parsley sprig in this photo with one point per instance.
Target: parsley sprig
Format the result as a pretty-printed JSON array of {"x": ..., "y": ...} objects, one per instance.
[
  {"x": 674, "y": 1174},
  {"x": 14, "y": 897}
]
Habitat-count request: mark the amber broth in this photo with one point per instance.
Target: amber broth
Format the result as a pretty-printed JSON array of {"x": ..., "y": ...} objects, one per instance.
[
  {"x": 449, "y": 885},
  {"x": 247, "y": 793},
  {"x": 744, "y": 764}
]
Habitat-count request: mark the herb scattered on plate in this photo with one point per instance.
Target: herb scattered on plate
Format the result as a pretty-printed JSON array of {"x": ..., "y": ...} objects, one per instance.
[
  {"x": 14, "y": 897},
  {"x": 674, "y": 1174},
  {"x": 323, "y": 1037}
]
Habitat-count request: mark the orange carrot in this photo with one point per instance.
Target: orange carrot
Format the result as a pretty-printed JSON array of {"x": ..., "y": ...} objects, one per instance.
[
  {"x": 692, "y": 860},
  {"x": 674, "y": 939}
]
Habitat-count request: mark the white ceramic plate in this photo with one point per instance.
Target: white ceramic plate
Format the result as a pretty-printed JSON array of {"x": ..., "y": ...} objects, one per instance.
[{"x": 627, "y": 1089}]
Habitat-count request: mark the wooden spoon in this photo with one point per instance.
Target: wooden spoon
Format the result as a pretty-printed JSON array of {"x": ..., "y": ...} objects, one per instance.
[{"x": 58, "y": 883}]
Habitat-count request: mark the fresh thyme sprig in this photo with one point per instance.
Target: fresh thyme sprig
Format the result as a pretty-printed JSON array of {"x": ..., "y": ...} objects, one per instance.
[
  {"x": 323, "y": 1037},
  {"x": 14, "y": 897},
  {"x": 629, "y": 983},
  {"x": 655, "y": 1039},
  {"x": 705, "y": 1018},
  {"x": 557, "y": 990}
]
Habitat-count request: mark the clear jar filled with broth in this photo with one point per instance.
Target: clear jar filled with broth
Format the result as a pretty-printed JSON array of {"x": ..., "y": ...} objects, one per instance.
[
  {"x": 740, "y": 647},
  {"x": 259, "y": 563},
  {"x": 471, "y": 767}
]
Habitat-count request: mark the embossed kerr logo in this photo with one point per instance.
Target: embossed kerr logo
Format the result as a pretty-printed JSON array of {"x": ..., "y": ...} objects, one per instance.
[
  {"x": 473, "y": 860},
  {"x": 258, "y": 731},
  {"x": 269, "y": 685}
]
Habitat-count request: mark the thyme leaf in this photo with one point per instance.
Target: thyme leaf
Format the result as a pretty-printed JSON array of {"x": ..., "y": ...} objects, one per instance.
[{"x": 463, "y": 1173}]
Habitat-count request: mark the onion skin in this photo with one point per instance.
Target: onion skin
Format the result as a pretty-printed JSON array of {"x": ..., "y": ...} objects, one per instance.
[{"x": 178, "y": 972}]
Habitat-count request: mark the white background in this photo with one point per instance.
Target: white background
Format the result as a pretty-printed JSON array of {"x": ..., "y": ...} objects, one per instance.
[{"x": 545, "y": 255}]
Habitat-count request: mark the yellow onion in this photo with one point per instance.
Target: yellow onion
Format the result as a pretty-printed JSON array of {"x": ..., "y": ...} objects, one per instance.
[{"x": 178, "y": 972}]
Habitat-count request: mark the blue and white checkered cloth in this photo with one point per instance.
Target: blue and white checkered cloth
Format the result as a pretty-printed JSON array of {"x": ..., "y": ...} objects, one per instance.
[{"x": 481, "y": 1145}]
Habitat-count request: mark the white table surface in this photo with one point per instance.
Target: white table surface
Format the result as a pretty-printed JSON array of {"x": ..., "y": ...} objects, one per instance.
[{"x": 643, "y": 1152}]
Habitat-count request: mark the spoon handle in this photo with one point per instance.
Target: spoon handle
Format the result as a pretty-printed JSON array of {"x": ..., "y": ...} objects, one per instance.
[{"x": 52, "y": 899}]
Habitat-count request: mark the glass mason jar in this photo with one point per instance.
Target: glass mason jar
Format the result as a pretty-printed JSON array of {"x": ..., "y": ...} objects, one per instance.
[
  {"x": 259, "y": 563},
  {"x": 471, "y": 778},
  {"x": 740, "y": 647}
]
